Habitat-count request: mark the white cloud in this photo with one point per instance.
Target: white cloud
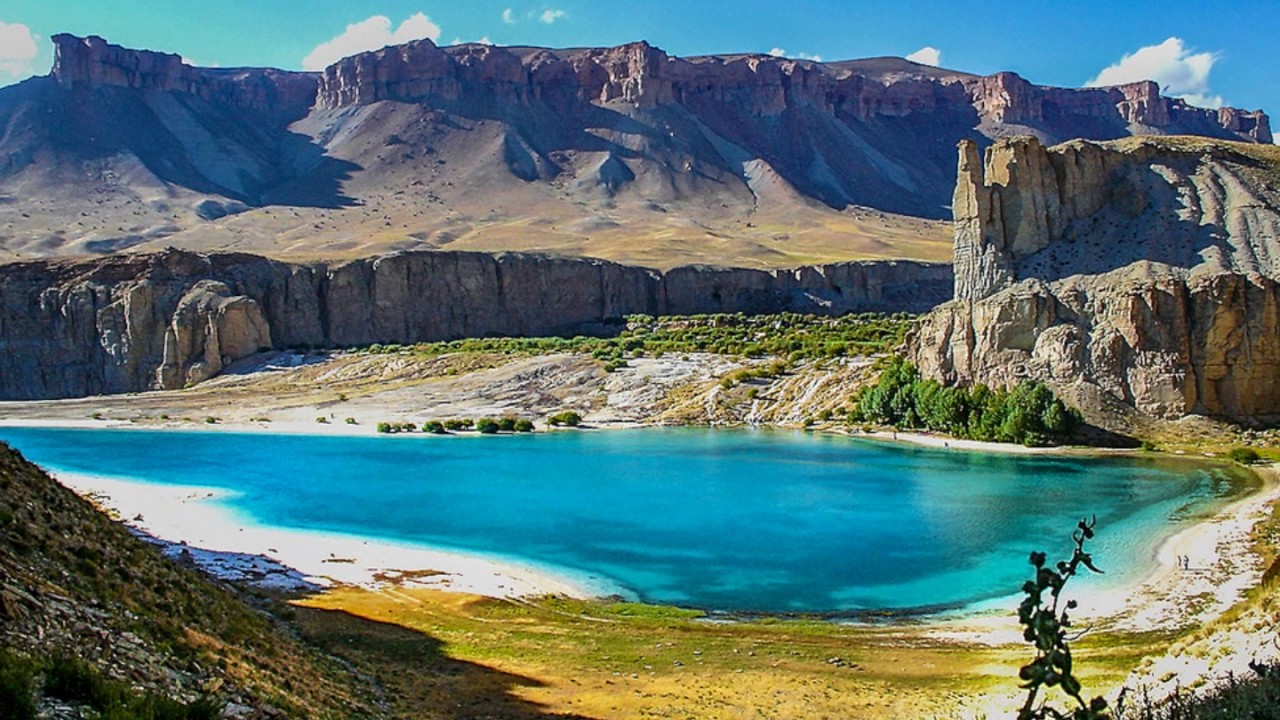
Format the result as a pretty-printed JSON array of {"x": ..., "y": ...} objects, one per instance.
[
  {"x": 17, "y": 49},
  {"x": 482, "y": 41},
  {"x": 927, "y": 56},
  {"x": 551, "y": 15},
  {"x": 780, "y": 53},
  {"x": 1179, "y": 71},
  {"x": 509, "y": 17},
  {"x": 370, "y": 34}
]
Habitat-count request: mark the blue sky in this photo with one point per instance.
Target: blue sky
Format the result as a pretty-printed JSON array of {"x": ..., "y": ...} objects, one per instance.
[{"x": 1209, "y": 51}]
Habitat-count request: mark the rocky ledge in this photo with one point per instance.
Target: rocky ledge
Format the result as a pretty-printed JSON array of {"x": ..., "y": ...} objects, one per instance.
[
  {"x": 169, "y": 320},
  {"x": 1138, "y": 274}
]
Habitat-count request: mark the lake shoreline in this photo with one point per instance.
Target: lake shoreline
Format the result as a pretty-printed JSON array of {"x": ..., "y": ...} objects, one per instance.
[{"x": 314, "y": 560}]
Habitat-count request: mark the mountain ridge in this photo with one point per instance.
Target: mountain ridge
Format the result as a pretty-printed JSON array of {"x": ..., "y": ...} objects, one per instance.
[{"x": 625, "y": 153}]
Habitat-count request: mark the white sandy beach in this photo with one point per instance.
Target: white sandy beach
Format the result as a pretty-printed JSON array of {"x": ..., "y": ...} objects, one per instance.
[{"x": 192, "y": 521}]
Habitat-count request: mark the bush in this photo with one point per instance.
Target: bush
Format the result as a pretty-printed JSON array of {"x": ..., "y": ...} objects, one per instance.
[
  {"x": 435, "y": 427},
  {"x": 384, "y": 427},
  {"x": 486, "y": 426},
  {"x": 322, "y": 420},
  {"x": 507, "y": 424},
  {"x": 351, "y": 421},
  {"x": 211, "y": 420},
  {"x": 523, "y": 425},
  {"x": 568, "y": 418},
  {"x": 17, "y": 686},
  {"x": 1244, "y": 455},
  {"x": 458, "y": 424}
]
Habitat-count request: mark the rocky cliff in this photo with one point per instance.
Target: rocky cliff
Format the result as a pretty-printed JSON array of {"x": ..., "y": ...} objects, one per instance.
[
  {"x": 1141, "y": 273},
  {"x": 129, "y": 323},
  {"x": 596, "y": 150}
]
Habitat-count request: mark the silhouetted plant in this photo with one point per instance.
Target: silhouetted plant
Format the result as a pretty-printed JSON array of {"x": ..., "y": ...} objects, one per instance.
[{"x": 1045, "y": 626}]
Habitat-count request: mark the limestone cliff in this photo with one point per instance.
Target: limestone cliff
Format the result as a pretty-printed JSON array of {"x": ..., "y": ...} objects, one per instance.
[
  {"x": 129, "y": 323},
  {"x": 1141, "y": 272}
]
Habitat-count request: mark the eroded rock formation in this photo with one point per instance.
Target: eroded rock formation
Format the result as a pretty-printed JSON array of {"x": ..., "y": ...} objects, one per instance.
[
  {"x": 130, "y": 323},
  {"x": 1142, "y": 272}
]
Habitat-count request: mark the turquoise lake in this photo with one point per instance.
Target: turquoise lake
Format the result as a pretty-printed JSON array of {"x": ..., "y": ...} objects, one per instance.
[{"x": 739, "y": 520}]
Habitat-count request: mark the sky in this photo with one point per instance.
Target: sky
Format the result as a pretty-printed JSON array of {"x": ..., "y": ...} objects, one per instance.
[{"x": 1210, "y": 52}]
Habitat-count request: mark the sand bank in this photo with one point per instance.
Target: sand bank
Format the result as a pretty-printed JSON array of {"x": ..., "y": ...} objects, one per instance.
[{"x": 196, "y": 524}]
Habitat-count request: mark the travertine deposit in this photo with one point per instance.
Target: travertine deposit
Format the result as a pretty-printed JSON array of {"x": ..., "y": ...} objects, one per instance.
[{"x": 1141, "y": 273}]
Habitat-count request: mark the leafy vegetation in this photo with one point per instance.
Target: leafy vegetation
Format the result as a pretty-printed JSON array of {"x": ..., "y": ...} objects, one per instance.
[
  {"x": 1028, "y": 414},
  {"x": 72, "y": 680},
  {"x": 1244, "y": 455},
  {"x": 568, "y": 418},
  {"x": 790, "y": 336},
  {"x": 487, "y": 426},
  {"x": 1045, "y": 623}
]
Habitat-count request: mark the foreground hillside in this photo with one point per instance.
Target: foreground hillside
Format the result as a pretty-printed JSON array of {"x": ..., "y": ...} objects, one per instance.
[
  {"x": 77, "y": 588},
  {"x": 622, "y": 153}
]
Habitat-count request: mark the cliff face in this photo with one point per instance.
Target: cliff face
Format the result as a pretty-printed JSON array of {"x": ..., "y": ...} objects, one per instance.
[
  {"x": 123, "y": 148},
  {"x": 130, "y": 323},
  {"x": 760, "y": 85},
  {"x": 281, "y": 96},
  {"x": 1142, "y": 272}
]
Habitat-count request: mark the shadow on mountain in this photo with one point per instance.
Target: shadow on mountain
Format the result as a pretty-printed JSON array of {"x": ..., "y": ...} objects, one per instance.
[
  {"x": 1135, "y": 226},
  {"x": 179, "y": 139},
  {"x": 415, "y": 674}
]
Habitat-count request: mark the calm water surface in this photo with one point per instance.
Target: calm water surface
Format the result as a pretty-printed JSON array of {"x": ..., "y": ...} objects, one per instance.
[{"x": 727, "y": 520}]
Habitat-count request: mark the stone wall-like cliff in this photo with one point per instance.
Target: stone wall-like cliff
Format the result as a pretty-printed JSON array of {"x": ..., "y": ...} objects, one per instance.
[
  {"x": 1142, "y": 272},
  {"x": 92, "y": 62},
  {"x": 645, "y": 76},
  {"x": 131, "y": 323}
]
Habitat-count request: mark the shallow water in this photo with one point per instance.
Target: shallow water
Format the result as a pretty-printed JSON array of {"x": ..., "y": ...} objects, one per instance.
[{"x": 727, "y": 520}]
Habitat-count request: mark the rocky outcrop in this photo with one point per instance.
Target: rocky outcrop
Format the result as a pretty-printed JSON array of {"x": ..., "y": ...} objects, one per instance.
[
  {"x": 1141, "y": 273},
  {"x": 130, "y": 323},
  {"x": 92, "y": 62},
  {"x": 644, "y": 76}
]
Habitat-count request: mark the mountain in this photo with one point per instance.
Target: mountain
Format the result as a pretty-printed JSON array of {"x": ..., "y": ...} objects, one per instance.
[
  {"x": 1140, "y": 275},
  {"x": 625, "y": 153}
]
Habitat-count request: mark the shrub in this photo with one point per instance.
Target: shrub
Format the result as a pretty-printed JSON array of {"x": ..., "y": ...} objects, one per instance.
[
  {"x": 17, "y": 686},
  {"x": 435, "y": 427},
  {"x": 486, "y": 426},
  {"x": 458, "y": 424},
  {"x": 1244, "y": 455},
  {"x": 351, "y": 421},
  {"x": 322, "y": 420},
  {"x": 568, "y": 418},
  {"x": 1046, "y": 622},
  {"x": 507, "y": 424},
  {"x": 384, "y": 427},
  {"x": 211, "y": 420},
  {"x": 523, "y": 425}
]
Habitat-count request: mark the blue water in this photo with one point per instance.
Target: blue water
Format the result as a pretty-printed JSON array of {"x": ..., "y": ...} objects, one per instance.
[{"x": 726, "y": 520}]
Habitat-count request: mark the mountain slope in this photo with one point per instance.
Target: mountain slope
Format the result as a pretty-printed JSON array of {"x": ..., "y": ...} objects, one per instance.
[
  {"x": 625, "y": 153},
  {"x": 72, "y": 582}
]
